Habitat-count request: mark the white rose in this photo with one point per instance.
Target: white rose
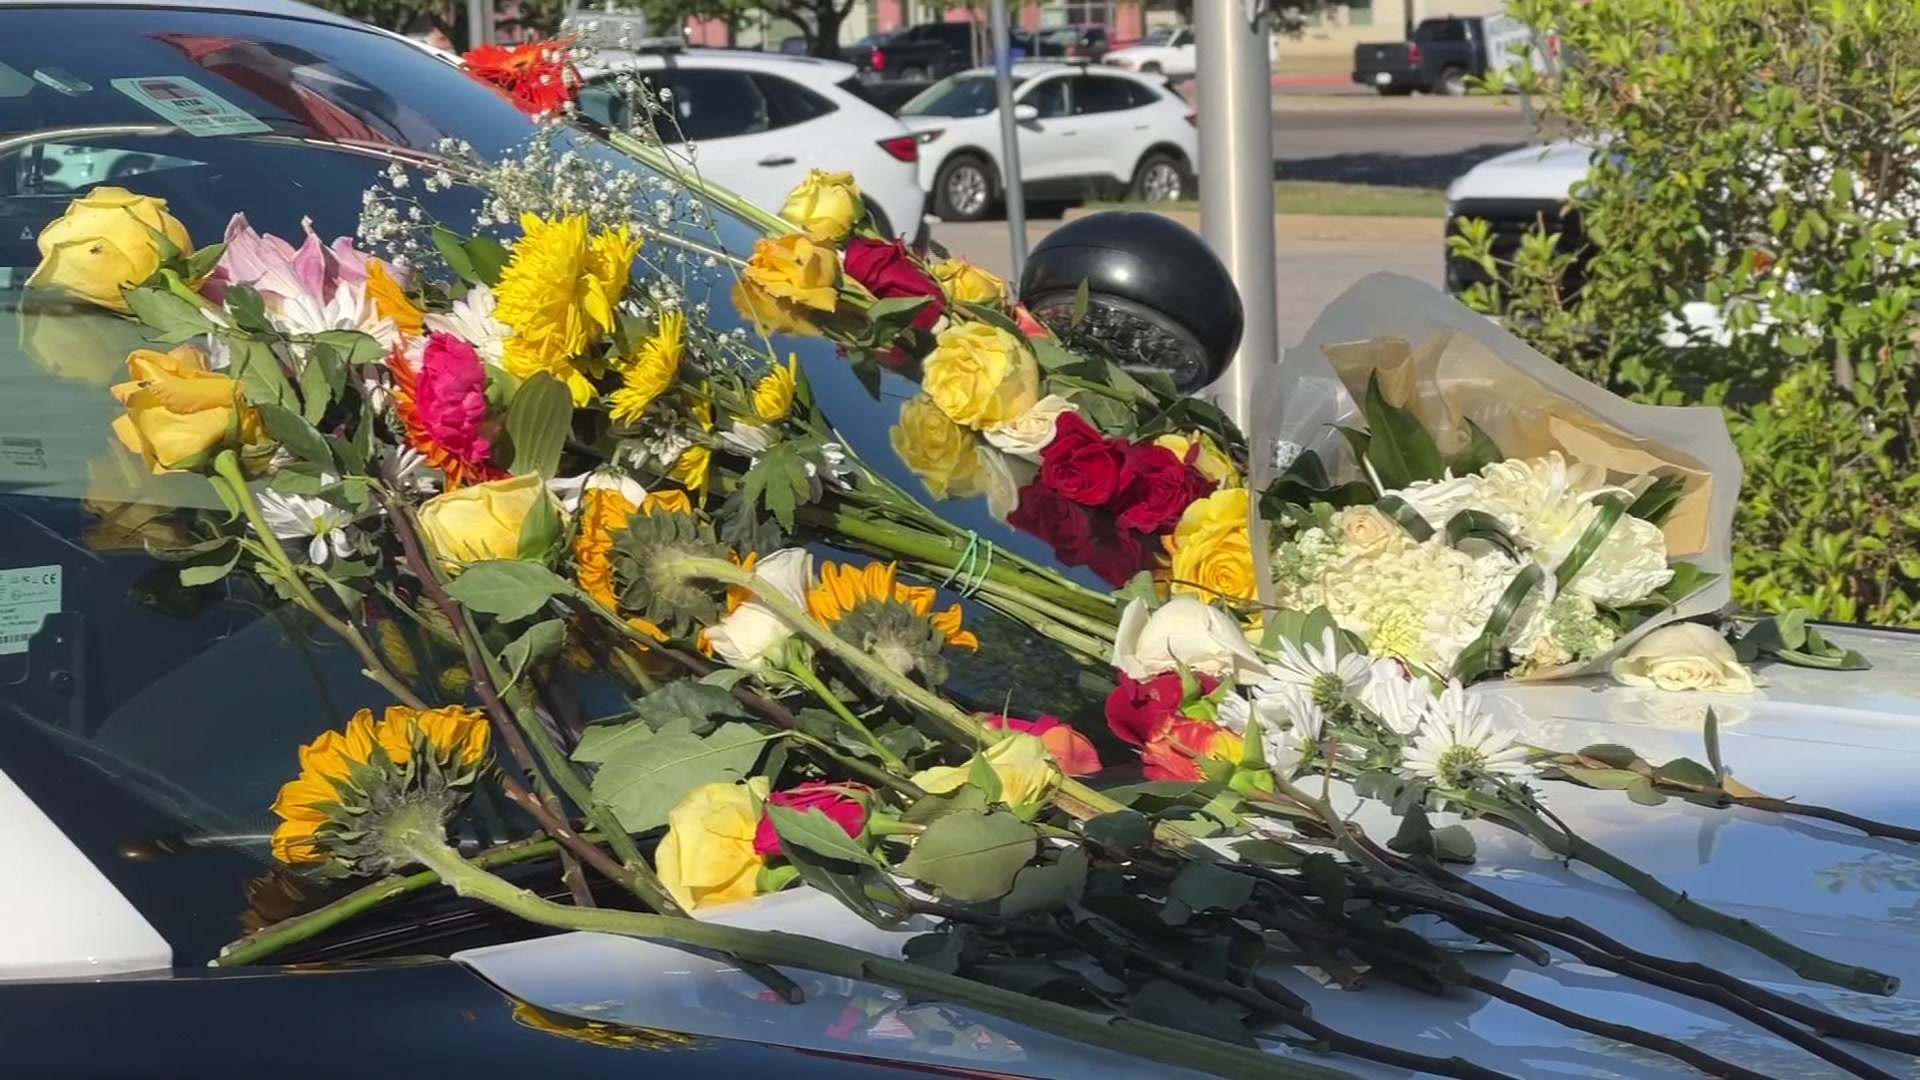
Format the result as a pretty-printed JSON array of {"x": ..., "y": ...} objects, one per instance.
[
  {"x": 1183, "y": 634},
  {"x": 751, "y": 440},
  {"x": 1627, "y": 566},
  {"x": 751, "y": 631},
  {"x": 1684, "y": 656},
  {"x": 1001, "y": 477},
  {"x": 1026, "y": 435}
]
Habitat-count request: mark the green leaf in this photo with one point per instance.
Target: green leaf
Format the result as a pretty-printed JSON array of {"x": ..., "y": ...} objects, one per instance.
[
  {"x": 1611, "y": 509},
  {"x": 488, "y": 258},
  {"x": 896, "y": 312},
  {"x": 1599, "y": 779},
  {"x": 700, "y": 705},
  {"x": 848, "y": 885},
  {"x": 1643, "y": 792},
  {"x": 292, "y": 431},
  {"x": 1479, "y": 657},
  {"x": 1119, "y": 831},
  {"x": 201, "y": 263},
  {"x": 1172, "y": 1005},
  {"x": 261, "y": 377},
  {"x": 601, "y": 741},
  {"x": 1268, "y": 853},
  {"x": 1041, "y": 887},
  {"x": 980, "y": 774},
  {"x": 642, "y": 780},
  {"x": 508, "y": 589},
  {"x": 1710, "y": 731},
  {"x": 1412, "y": 521},
  {"x": 1081, "y": 295},
  {"x": 1453, "y": 843},
  {"x": 1480, "y": 452},
  {"x": 1400, "y": 450},
  {"x": 972, "y": 856},
  {"x": 931, "y": 808},
  {"x": 316, "y": 382},
  {"x": 818, "y": 833},
  {"x": 866, "y": 368},
  {"x": 538, "y": 645},
  {"x": 1686, "y": 772},
  {"x": 454, "y": 251},
  {"x": 1203, "y": 886},
  {"x": 170, "y": 318},
  {"x": 1612, "y": 755},
  {"x": 779, "y": 481},
  {"x": 1415, "y": 836},
  {"x": 249, "y": 311},
  {"x": 354, "y": 347},
  {"x": 1480, "y": 525},
  {"x": 1658, "y": 500},
  {"x": 539, "y": 419},
  {"x": 207, "y": 573}
]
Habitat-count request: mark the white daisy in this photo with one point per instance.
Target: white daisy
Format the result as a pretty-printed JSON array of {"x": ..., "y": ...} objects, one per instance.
[
  {"x": 1284, "y": 740},
  {"x": 1396, "y": 697},
  {"x": 307, "y": 517},
  {"x": 1322, "y": 673},
  {"x": 472, "y": 318},
  {"x": 1459, "y": 742}
]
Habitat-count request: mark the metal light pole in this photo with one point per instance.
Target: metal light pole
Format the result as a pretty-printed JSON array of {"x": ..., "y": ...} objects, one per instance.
[
  {"x": 1236, "y": 179},
  {"x": 479, "y": 23},
  {"x": 1010, "y": 139}
]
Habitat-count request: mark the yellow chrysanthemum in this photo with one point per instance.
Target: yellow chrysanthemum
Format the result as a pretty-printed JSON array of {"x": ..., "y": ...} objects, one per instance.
[
  {"x": 843, "y": 588},
  {"x": 773, "y": 394},
  {"x": 557, "y": 292},
  {"x": 690, "y": 469},
  {"x": 651, "y": 370}
]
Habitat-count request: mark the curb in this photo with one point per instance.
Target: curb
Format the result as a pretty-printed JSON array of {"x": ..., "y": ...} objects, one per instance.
[{"x": 1342, "y": 228}]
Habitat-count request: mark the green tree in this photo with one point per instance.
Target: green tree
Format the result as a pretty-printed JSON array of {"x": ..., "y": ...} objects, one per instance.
[{"x": 1760, "y": 161}]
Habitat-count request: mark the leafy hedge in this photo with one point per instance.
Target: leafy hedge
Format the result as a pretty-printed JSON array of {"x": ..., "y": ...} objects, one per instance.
[{"x": 1758, "y": 162}]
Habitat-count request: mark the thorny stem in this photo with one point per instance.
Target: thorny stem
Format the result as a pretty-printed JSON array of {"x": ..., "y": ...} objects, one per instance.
[
  {"x": 1567, "y": 844},
  {"x": 226, "y": 466},
  {"x": 806, "y": 677},
  {"x": 773, "y": 947}
]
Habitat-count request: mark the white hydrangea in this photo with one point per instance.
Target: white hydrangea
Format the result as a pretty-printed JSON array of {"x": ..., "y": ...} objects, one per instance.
[{"x": 1424, "y": 603}]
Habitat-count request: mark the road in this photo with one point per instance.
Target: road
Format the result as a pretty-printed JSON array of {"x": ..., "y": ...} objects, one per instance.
[
  {"x": 1310, "y": 272},
  {"x": 1401, "y": 142}
]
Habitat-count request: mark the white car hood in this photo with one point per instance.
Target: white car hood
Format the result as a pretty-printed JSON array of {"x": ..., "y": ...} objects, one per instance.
[
  {"x": 1546, "y": 172},
  {"x": 1843, "y": 739}
]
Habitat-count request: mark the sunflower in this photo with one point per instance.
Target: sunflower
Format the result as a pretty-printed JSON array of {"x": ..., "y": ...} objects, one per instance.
[
  {"x": 773, "y": 394},
  {"x": 604, "y": 512},
  {"x": 651, "y": 370},
  {"x": 350, "y": 778},
  {"x": 869, "y": 606},
  {"x": 558, "y": 291}
]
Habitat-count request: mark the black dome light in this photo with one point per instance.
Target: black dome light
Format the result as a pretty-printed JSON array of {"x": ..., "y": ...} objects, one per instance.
[{"x": 1158, "y": 298}]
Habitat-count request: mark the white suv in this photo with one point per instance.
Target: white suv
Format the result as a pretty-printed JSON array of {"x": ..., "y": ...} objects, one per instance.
[
  {"x": 761, "y": 120},
  {"x": 1082, "y": 130}
]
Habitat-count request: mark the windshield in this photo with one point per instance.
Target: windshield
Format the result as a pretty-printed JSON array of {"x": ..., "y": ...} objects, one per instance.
[
  {"x": 155, "y": 722},
  {"x": 1158, "y": 36},
  {"x": 956, "y": 95}
]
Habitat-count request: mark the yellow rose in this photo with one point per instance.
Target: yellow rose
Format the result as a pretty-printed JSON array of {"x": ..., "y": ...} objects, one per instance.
[
  {"x": 107, "y": 242},
  {"x": 1025, "y": 767},
  {"x": 179, "y": 413},
  {"x": 1212, "y": 550},
  {"x": 786, "y": 281},
  {"x": 1212, "y": 461},
  {"x": 1368, "y": 531},
  {"x": 981, "y": 375},
  {"x": 825, "y": 206},
  {"x": 77, "y": 340},
  {"x": 966, "y": 283},
  {"x": 944, "y": 455},
  {"x": 707, "y": 856},
  {"x": 1684, "y": 656},
  {"x": 515, "y": 518}
]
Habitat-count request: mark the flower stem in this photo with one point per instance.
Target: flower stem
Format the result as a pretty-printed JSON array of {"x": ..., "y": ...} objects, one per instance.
[
  {"x": 1567, "y": 844},
  {"x": 812, "y": 682},
  {"x": 1172, "y": 1047},
  {"x": 226, "y": 467}
]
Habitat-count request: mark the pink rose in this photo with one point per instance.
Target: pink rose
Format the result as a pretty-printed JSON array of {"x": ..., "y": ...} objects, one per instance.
[{"x": 845, "y": 803}]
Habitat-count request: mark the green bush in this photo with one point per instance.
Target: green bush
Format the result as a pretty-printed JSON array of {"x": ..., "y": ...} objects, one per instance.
[{"x": 1757, "y": 157}]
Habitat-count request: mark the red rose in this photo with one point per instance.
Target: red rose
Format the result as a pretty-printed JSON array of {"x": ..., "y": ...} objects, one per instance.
[
  {"x": 844, "y": 803},
  {"x": 1159, "y": 488},
  {"x": 1138, "y": 708},
  {"x": 1081, "y": 464},
  {"x": 888, "y": 271},
  {"x": 1118, "y": 557},
  {"x": 1175, "y": 750},
  {"x": 1066, "y": 526},
  {"x": 1070, "y": 749}
]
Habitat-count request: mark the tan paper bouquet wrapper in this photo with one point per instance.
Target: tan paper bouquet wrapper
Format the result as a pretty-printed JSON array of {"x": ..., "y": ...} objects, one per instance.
[{"x": 1447, "y": 364}]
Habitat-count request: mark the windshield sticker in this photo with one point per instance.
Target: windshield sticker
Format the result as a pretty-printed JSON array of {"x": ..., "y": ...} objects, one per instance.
[
  {"x": 23, "y": 453},
  {"x": 27, "y": 596},
  {"x": 189, "y": 106}
]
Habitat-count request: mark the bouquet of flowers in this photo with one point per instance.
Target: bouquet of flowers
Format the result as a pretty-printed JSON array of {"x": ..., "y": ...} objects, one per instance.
[{"x": 504, "y": 467}]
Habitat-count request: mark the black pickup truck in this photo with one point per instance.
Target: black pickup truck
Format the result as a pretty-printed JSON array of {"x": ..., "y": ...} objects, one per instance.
[
  {"x": 1444, "y": 52},
  {"x": 928, "y": 51}
]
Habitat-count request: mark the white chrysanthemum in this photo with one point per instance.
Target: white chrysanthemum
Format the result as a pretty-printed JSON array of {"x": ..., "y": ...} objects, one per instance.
[
  {"x": 307, "y": 517},
  {"x": 1539, "y": 500},
  {"x": 471, "y": 318},
  {"x": 1424, "y": 604},
  {"x": 1459, "y": 743},
  {"x": 1627, "y": 566},
  {"x": 1290, "y": 723},
  {"x": 1439, "y": 500},
  {"x": 1322, "y": 672},
  {"x": 1396, "y": 696}
]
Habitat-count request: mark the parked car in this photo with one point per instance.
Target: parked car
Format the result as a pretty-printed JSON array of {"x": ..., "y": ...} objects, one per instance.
[
  {"x": 1169, "y": 51},
  {"x": 1445, "y": 53},
  {"x": 1515, "y": 193},
  {"x": 1088, "y": 42},
  {"x": 762, "y": 120},
  {"x": 927, "y": 51},
  {"x": 1081, "y": 129}
]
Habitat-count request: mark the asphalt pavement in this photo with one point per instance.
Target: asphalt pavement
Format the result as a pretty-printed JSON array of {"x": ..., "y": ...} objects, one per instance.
[{"x": 1399, "y": 142}]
